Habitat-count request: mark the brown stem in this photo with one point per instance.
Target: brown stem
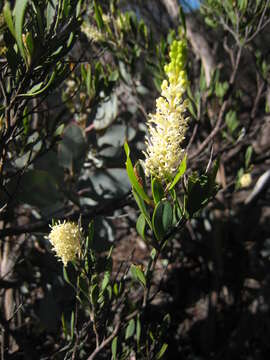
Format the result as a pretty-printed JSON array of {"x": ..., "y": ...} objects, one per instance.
[{"x": 105, "y": 342}]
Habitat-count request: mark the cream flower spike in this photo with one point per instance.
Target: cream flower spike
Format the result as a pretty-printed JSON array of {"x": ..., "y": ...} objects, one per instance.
[
  {"x": 167, "y": 127},
  {"x": 65, "y": 238}
]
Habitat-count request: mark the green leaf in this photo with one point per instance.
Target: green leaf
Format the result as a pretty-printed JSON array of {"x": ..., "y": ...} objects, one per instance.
[
  {"x": 138, "y": 274},
  {"x": 105, "y": 281},
  {"x": 29, "y": 44},
  {"x": 140, "y": 226},
  {"x": 221, "y": 88},
  {"x": 114, "y": 348},
  {"x": 210, "y": 22},
  {"x": 88, "y": 80},
  {"x": 19, "y": 11},
  {"x": 132, "y": 176},
  {"x": 66, "y": 278},
  {"x": 142, "y": 207},
  {"x": 248, "y": 156},
  {"x": 203, "y": 85},
  {"x": 35, "y": 88},
  {"x": 130, "y": 329},
  {"x": 64, "y": 325},
  {"x": 8, "y": 18},
  {"x": 38, "y": 89},
  {"x": 231, "y": 121},
  {"x": 242, "y": 5},
  {"x": 162, "y": 219},
  {"x": 98, "y": 16},
  {"x": 94, "y": 294},
  {"x": 72, "y": 324},
  {"x": 180, "y": 172},
  {"x": 50, "y": 12},
  {"x": 157, "y": 190},
  {"x": 153, "y": 254},
  {"x": 162, "y": 351},
  {"x": 59, "y": 130},
  {"x": 139, "y": 171}
]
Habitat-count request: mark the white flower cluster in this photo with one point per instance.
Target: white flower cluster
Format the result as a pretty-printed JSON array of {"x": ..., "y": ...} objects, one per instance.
[
  {"x": 65, "y": 239},
  {"x": 168, "y": 125}
]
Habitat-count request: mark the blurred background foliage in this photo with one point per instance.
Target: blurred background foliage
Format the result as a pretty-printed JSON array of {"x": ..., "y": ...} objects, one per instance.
[{"x": 77, "y": 79}]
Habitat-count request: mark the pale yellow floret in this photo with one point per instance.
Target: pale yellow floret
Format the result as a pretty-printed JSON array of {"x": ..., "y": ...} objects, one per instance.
[
  {"x": 245, "y": 180},
  {"x": 91, "y": 32},
  {"x": 168, "y": 125},
  {"x": 65, "y": 238}
]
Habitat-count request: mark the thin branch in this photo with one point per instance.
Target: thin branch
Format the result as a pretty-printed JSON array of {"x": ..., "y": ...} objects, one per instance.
[
  {"x": 106, "y": 341},
  {"x": 194, "y": 132},
  {"x": 43, "y": 225},
  {"x": 260, "y": 25}
]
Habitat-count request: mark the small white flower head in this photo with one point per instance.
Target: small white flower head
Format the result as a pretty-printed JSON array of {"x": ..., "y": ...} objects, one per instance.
[
  {"x": 65, "y": 238},
  {"x": 91, "y": 32},
  {"x": 168, "y": 125},
  {"x": 245, "y": 180}
]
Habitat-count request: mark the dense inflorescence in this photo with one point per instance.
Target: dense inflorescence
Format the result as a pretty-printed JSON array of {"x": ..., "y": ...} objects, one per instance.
[
  {"x": 168, "y": 125},
  {"x": 65, "y": 238}
]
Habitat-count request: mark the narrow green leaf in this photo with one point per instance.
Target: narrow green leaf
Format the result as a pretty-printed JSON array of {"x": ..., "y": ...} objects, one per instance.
[
  {"x": 182, "y": 18},
  {"x": 38, "y": 89},
  {"x": 157, "y": 190},
  {"x": 72, "y": 325},
  {"x": 162, "y": 351},
  {"x": 78, "y": 8},
  {"x": 115, "y": 289},
  {"x": 19, "y": 11},
  {"x": 8, "y": 18},
  {"x": 94, "y": 294},
  {"x": 59, "y": 130},
  {"x": 88, "y": 80},
  {"x": 50, "y": 13},
  {"x": 153, "y": 254},
  {"x": 231, "y": 121},
  {"x": 181, "y": 170},
  {"x": 138, "y": 274},
  {"x": 30, "y": 44},
  {"x": 142, "y": 207},
  {"x": 248, "y": 156},
  {"x": 105, "y": 281},
  {"x": 139, "y": 172},
  {"x": 127, "y": 149},
  {"x": 98, "y": 16},
  {"x": 132, "y": 177},
  {"x": 70, "y": 39},
  {"x": 64, "y": 325},
  {"x": 140, "y": 226},
  {"x": 65, "y": 274},
  {"x": 114, "y": 348},
  {"x": 35, "y": 88},
  {"x": 138, "y": 330},
  {"x": 130, "y": 329}
]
